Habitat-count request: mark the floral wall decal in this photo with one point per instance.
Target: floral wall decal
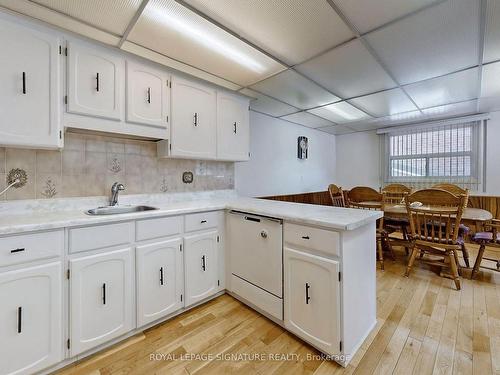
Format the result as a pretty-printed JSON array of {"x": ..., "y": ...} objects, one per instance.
[
  {"x": 163, "y": 186},
  {"x": 115, "y": 165},
  {"x": 49, "y": 189}
]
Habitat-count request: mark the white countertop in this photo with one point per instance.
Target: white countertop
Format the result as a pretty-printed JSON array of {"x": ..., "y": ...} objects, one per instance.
[{"x": 14, "y": 220}]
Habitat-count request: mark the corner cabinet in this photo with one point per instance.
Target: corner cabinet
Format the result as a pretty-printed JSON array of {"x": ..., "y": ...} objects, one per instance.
[
  {"x": 148, "y": 95},
  {"x": 312, "y": 299},
  {"x": 101, "y": 298},
  {"x": 30, "y": 319},
  {"x": 193, "y": 130},
  {"x": 233, "y": 128},
  {"x": 160, "y": 279},
  {"x": 29, "y": 87},
  {"x": 201, "y": 266},
  {"x": 94, "y": 81}
]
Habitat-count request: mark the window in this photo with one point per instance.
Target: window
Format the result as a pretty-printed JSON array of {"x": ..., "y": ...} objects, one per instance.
[{"x": 425, "y": 155}]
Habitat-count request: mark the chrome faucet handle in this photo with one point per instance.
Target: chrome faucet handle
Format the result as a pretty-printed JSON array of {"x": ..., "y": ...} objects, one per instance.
[{"x": 115, "y": 189}]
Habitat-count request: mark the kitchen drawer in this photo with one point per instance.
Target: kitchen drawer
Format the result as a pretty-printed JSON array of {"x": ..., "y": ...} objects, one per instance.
[
  {"x": 100, "y": 236},
  {"x": 159, "y": 227},
  {"x": 312, "y": 238},
  {"x": 201, "y": 221},
  {"x": 29, "y": 247}
]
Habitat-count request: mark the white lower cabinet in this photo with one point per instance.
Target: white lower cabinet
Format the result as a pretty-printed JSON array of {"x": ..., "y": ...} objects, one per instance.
[
  {"x": 30, "y": 319},
  {"x": 312, "y": 299},
  {"x": 201, "y": 266},
  {"x": 101, "y": 298},
  {"x": 160, "y": 278}
]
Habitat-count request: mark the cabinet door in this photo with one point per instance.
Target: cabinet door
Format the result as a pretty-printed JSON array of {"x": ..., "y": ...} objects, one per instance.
[
  {"x": 148, "y": 95},
  {"x": 30, "y": 319},
  {"x": 201, "y": 267},
  {"x": 160, "y": 278},
  {"x": 94, "y": 82},
  {"x": 193, "y": 129},
  {"x": 233, "y": 130},
  {"x": 312, "y": 303},
  {"x": 29, "y": 87},
  {"x": 101, "y": 292}
]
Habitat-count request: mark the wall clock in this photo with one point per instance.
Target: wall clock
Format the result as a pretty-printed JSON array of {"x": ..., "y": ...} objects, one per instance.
[{"x": 302, "y": 146}]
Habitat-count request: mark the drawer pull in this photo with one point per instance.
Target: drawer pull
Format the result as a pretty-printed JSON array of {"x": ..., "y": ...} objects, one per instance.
[
  {"x": 149, "y": 95},
  {"x": 257, "y": 220},
  {"x": 19, "y": 319},
  {"x": 203, "y": 263},
  {"x": 307, "y": 293},
  {"x": 203, "y": 222},
  {"x": 195, "y": 119},
  {"x": 24, "y": 82},
  {"x": 161, "y": 276},
  {"x": 17, "y": 250},
  {"x": 97, "y": 82},
  {"x": 104, "y": 293},
  {"x": 305, "y": 237}
]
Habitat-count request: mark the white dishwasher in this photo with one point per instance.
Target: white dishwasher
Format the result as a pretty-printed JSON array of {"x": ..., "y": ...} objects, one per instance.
[{"x": 255, "y": 246}]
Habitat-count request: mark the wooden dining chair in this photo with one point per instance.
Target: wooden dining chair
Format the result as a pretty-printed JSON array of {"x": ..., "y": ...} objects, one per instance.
[
  {"x": 395, "y": 194},
  {"x": 489, "y": 239},
  {"x": 366, "y": 198},
  {"x": 464, "y": 230},
  {"x": 336, "y": 195},
  {"x": 434, "y": 228}
]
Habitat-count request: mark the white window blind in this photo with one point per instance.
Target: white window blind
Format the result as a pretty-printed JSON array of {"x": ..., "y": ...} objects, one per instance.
[{"x": 424, "y": 156}]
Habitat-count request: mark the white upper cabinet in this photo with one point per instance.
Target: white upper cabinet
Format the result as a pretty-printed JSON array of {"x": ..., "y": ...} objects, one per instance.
[
  {"x": 312, "y": 299},
  {"x": 30, "y": 319},
  {"x": 148, "y": 95},
  {"x": 233, "y": 128},
  {"x": 94, "y": 81},
  {"x": 29, "y": 87},
  {"x": 101, "y": 298},
  {"x": 160, "y": 280},
  {"x": 193, "y": 129},
  {"x": 201, "y": 266}
]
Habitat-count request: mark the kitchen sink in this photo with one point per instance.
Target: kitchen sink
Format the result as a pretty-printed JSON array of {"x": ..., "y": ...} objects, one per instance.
[{"x": 114, "y": 210}]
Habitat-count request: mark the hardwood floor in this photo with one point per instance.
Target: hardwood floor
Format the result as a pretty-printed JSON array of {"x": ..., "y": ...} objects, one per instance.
[{"x": 424, "y": 326}]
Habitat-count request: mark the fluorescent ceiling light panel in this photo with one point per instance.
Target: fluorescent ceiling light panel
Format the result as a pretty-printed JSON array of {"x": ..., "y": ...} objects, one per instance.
[
  {"x": 340, "y": 113},
  {"x": 385, "y": 103},
  {"x": 307, "y": 119},
  {"x": 336, "y": 130}
]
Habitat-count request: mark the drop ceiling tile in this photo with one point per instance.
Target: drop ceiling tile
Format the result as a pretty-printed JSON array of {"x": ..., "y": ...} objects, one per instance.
[
  {"x": 452, "y": 88},
  {"x": 385, "y": 103},
  {"x": 367, "y": 15},
  {"x": 307, "y": 119},
  {"x": 489, "y": 104},
  {"x": 267, "y": 105},
  {"x": 464, "y": 108},
  {"x": 433, "y": 42},
  {"x": 337, "y": 129},
  {"x": 110, "y": 15},
  {"x": 392, "y": 120},
  {"x": 349, "y": 70},
  {"x": 490, "y": 85},
  {"x": 175, "y": 31},
  {"x": 492, "y": 32},
  {"x": 294, "y": 89},
  {"x": 292, "y": 30},
  {"x": 340, "y": 113}
]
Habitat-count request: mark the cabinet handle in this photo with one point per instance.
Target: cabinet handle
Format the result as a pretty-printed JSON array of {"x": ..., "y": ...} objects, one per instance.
[
  {"x": 307, "y": 293},
  {"x": 19, "y": 319},
  {"x": 203, "y": 222},
  {"x": 161, "y": 275},
  {"x": 104, "y": 293},
  {"x": 17, "y": 250},
  {"x": 234, "y": 127},
  {"x": 24, "y": 82},
  {"x": 97, "y": 79},
  {"x": 195, "y": 119},
  {"x": 305, "y": 237},
  {"x": 203, "y": 265},
  {"x": 149, "y": 95}
]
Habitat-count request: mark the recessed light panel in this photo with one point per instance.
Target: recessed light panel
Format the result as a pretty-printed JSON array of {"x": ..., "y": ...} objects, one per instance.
[
  {"x": 292, "y": 30},
  {"x": 385, "y": 103},
  {"x": 340, "y": 113},
  {"x": 294, "y": 89},
  {"x": 307, "y": 119},
  {"x": 349, "y": 70},
  {"x": 175, "y": 31},
  {"x": 267, "y": 105},
  {"x": 336, "y": 130},
  {"x": 109, "y": 15},
  {"x": 436, "y": 41}
]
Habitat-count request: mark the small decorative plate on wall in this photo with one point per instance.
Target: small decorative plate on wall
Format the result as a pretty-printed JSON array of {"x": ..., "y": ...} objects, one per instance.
[
  {"x": 187, "y": 177},
  {"x": 302, "y": 145}
]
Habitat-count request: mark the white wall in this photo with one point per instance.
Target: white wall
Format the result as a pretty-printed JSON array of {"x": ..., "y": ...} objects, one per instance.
[
  {"x": 358, "y": 160},
  {"x": 493, "y": 154},
  {"x": 274, "y": 168}
]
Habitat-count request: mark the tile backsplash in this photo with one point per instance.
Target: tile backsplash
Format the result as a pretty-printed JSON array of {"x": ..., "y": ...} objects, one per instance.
[{"x": 89, "y": 164}]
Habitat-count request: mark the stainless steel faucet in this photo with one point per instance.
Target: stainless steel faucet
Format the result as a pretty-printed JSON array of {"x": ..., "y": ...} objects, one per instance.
[{"x": 115, "y": 189}]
